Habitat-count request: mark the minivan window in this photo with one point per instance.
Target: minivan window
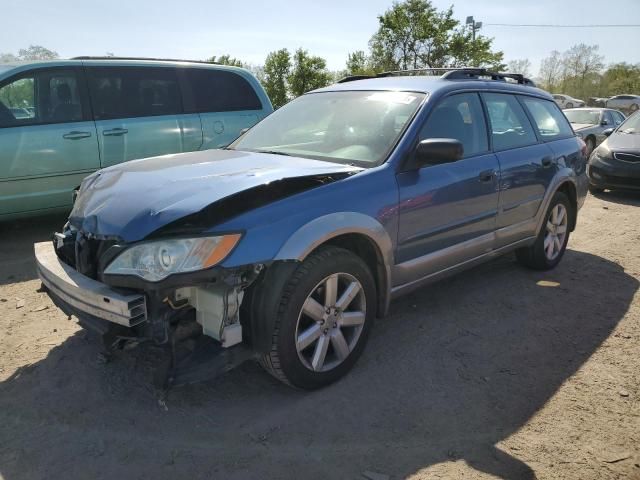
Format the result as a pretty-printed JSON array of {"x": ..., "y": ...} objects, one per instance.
[
  {"x": 460, "y": 117},
  {"x": 219, "y": 91},
  {"x": 510, "y": 127},
  {"x": 127, "y": 92},
  {"x": 550, "y": 121},
  {"x": 42, "y": 97}
]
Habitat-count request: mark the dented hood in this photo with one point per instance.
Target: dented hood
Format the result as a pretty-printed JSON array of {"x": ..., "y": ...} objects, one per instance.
[{"x": 131, "y": 200}]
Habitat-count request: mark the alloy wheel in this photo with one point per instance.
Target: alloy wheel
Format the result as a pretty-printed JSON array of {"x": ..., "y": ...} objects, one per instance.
[
  {"x": 330, "y": 322},
  {"x": 556, "y": 233}
]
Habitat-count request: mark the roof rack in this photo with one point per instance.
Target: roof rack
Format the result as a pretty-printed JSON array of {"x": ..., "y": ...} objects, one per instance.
[
  {"x": 466, "y": 73},
  {"x": 88, "y": 57}
]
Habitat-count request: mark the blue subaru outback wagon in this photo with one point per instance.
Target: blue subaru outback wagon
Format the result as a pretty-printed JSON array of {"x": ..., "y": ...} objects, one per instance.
[{"x": 286, "y": 245}]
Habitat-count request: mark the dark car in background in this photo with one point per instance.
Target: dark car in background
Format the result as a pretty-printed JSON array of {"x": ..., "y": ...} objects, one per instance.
[
  {"x": 591, "y": 124},
  {"x": 616, "y": 163}
]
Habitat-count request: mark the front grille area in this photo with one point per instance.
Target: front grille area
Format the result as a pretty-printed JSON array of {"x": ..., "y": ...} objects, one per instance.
[
  {"x": 627, "y": 157},
  {"x": 80, "y": 252},
  {"x": 614, "y": 180}
]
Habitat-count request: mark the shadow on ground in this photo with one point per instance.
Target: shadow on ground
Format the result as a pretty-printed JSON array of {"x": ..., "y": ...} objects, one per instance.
[
  {"x": 17, "y": 262},
  {"x": 455, "y": 369},
  {"x": 619, "y": 196}
]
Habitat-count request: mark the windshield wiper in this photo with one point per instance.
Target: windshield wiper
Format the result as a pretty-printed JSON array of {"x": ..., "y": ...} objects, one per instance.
[{"x": 274, "y": 152}]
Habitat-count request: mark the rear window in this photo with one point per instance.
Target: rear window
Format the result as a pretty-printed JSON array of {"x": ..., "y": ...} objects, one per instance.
[
  {"x": 550, "y": 121},
  {"x": 125, "y": 92},
  {"x": 220, "y": 91},
  {"x": 510, "y": 127}
]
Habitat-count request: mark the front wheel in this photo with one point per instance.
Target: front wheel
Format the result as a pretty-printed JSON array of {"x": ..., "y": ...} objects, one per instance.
[
  {"x": 325, "y": 315},
  {"x": 569, "y": 105},
  {"x": 552, "y": 240},
  {"x": 634, "y": 107}
]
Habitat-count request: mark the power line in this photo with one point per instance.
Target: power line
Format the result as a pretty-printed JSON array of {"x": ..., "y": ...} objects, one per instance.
[{"x": 543, "y": 25}]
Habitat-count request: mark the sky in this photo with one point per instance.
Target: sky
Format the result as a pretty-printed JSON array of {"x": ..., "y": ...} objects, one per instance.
[{"x": 250, "y": 29}]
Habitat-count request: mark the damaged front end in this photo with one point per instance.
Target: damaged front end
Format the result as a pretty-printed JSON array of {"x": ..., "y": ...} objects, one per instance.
[
  {"x": 149, "y": 267},
  {"x": 193, "y": 317}
]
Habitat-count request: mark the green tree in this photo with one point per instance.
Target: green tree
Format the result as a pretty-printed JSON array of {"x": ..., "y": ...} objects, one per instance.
[
  {"x": 414, "y": 34},
  {"x": 37, "y": 52},
  {"x": 34, "y": 52},
  {"x": 308, "y": 73},
  {"x": 358, "y": 64},
  {"x": 277, "y": 68},
  {"x": 621, "y": 78},
  {"x": 582, "y": 64},
  {"x": 226, "y": 59}
]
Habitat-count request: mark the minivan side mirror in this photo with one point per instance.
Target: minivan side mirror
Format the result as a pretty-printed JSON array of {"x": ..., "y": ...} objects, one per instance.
[
  {"x": 434, "y": 151},
  {"x": 607, "y": 132}
]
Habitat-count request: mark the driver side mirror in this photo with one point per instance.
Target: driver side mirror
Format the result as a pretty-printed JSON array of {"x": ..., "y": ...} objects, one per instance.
[
  {"x": 434, "y": 151},
  {"x": 604, "y": 122},
  {"x": 607, "y": 132}
]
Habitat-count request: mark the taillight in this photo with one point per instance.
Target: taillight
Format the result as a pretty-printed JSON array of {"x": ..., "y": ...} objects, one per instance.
[{"x": 583, "y": 146}]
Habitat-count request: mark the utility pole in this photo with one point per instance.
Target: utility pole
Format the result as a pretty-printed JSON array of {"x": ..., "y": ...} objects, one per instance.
[{"x": 475, "y": 26}]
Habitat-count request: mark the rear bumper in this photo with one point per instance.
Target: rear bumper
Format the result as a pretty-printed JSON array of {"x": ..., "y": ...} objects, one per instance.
[{"x": 85, "y": 295}]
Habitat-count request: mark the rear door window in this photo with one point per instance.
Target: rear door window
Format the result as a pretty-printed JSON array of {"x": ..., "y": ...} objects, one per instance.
[
  {"x": 128, "y": 92},
  {"x": 618, "y": 118},
  {"x": 510, "y": 127},
  {"x": 212, "y": 90},
  {"x": 549, "y": 120}
]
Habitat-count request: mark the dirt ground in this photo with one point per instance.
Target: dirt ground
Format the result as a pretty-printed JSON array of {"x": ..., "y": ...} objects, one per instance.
[{"x": 499, "y": 372}]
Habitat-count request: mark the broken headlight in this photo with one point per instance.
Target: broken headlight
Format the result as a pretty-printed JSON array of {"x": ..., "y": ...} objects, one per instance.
[{"x": 155, "y": 261}]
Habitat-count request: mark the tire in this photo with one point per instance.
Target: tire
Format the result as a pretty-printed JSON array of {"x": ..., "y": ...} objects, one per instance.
[
  {"x": 634, "y": 107},
  {"x": 591, "y": 145},
  {"x": 538, "y": 256},
  {"x": 301, "y": 335},
  {"x": 569, "y": 105}
]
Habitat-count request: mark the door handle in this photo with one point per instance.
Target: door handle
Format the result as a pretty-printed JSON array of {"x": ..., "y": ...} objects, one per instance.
[
  {"x": 115, "y": 132},
  {"x": 76, "y": 135},
  {"x": 487, "y": 175},
  {"x": 547, "y": 161}
]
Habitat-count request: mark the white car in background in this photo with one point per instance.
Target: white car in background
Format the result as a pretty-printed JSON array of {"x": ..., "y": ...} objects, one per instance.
[
  {"x": 627, "y": 103},
  {"x": 565, "y": 101}
]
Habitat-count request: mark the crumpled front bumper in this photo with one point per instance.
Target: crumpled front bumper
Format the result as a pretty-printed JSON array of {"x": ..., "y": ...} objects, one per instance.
[{"x": 85, "y": 295}]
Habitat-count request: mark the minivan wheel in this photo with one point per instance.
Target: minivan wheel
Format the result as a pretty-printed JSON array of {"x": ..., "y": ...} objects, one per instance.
[
  {"x": 325, "y": 315},
  {"x": 552, "y": 240}
]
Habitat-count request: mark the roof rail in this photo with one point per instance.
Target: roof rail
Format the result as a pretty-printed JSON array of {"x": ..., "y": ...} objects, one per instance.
[
  {"x": 464, "y": 73},
  {"x": 353, "y": 78},
  {"x": 87, "y": 57}
]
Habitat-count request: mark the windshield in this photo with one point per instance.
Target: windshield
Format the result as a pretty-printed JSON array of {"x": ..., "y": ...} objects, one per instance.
[
  {"x": 359, "y": 127},
  {"x": 631, "y": 125},
  {"x": 591, "y": 117}
]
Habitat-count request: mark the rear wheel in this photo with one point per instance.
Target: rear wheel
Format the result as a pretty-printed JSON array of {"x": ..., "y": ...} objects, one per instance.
[
  {"x": 634, "y": 107},
  {"x": 569, "y": 105},
  {"x": 324, "y": 319},
  {"x": 552, "y": 240}
]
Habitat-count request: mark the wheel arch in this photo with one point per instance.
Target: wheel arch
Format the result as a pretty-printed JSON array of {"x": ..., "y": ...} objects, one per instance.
[
  {"x": 356, "y": 232},
  {"x": 359, "y": 233}
]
